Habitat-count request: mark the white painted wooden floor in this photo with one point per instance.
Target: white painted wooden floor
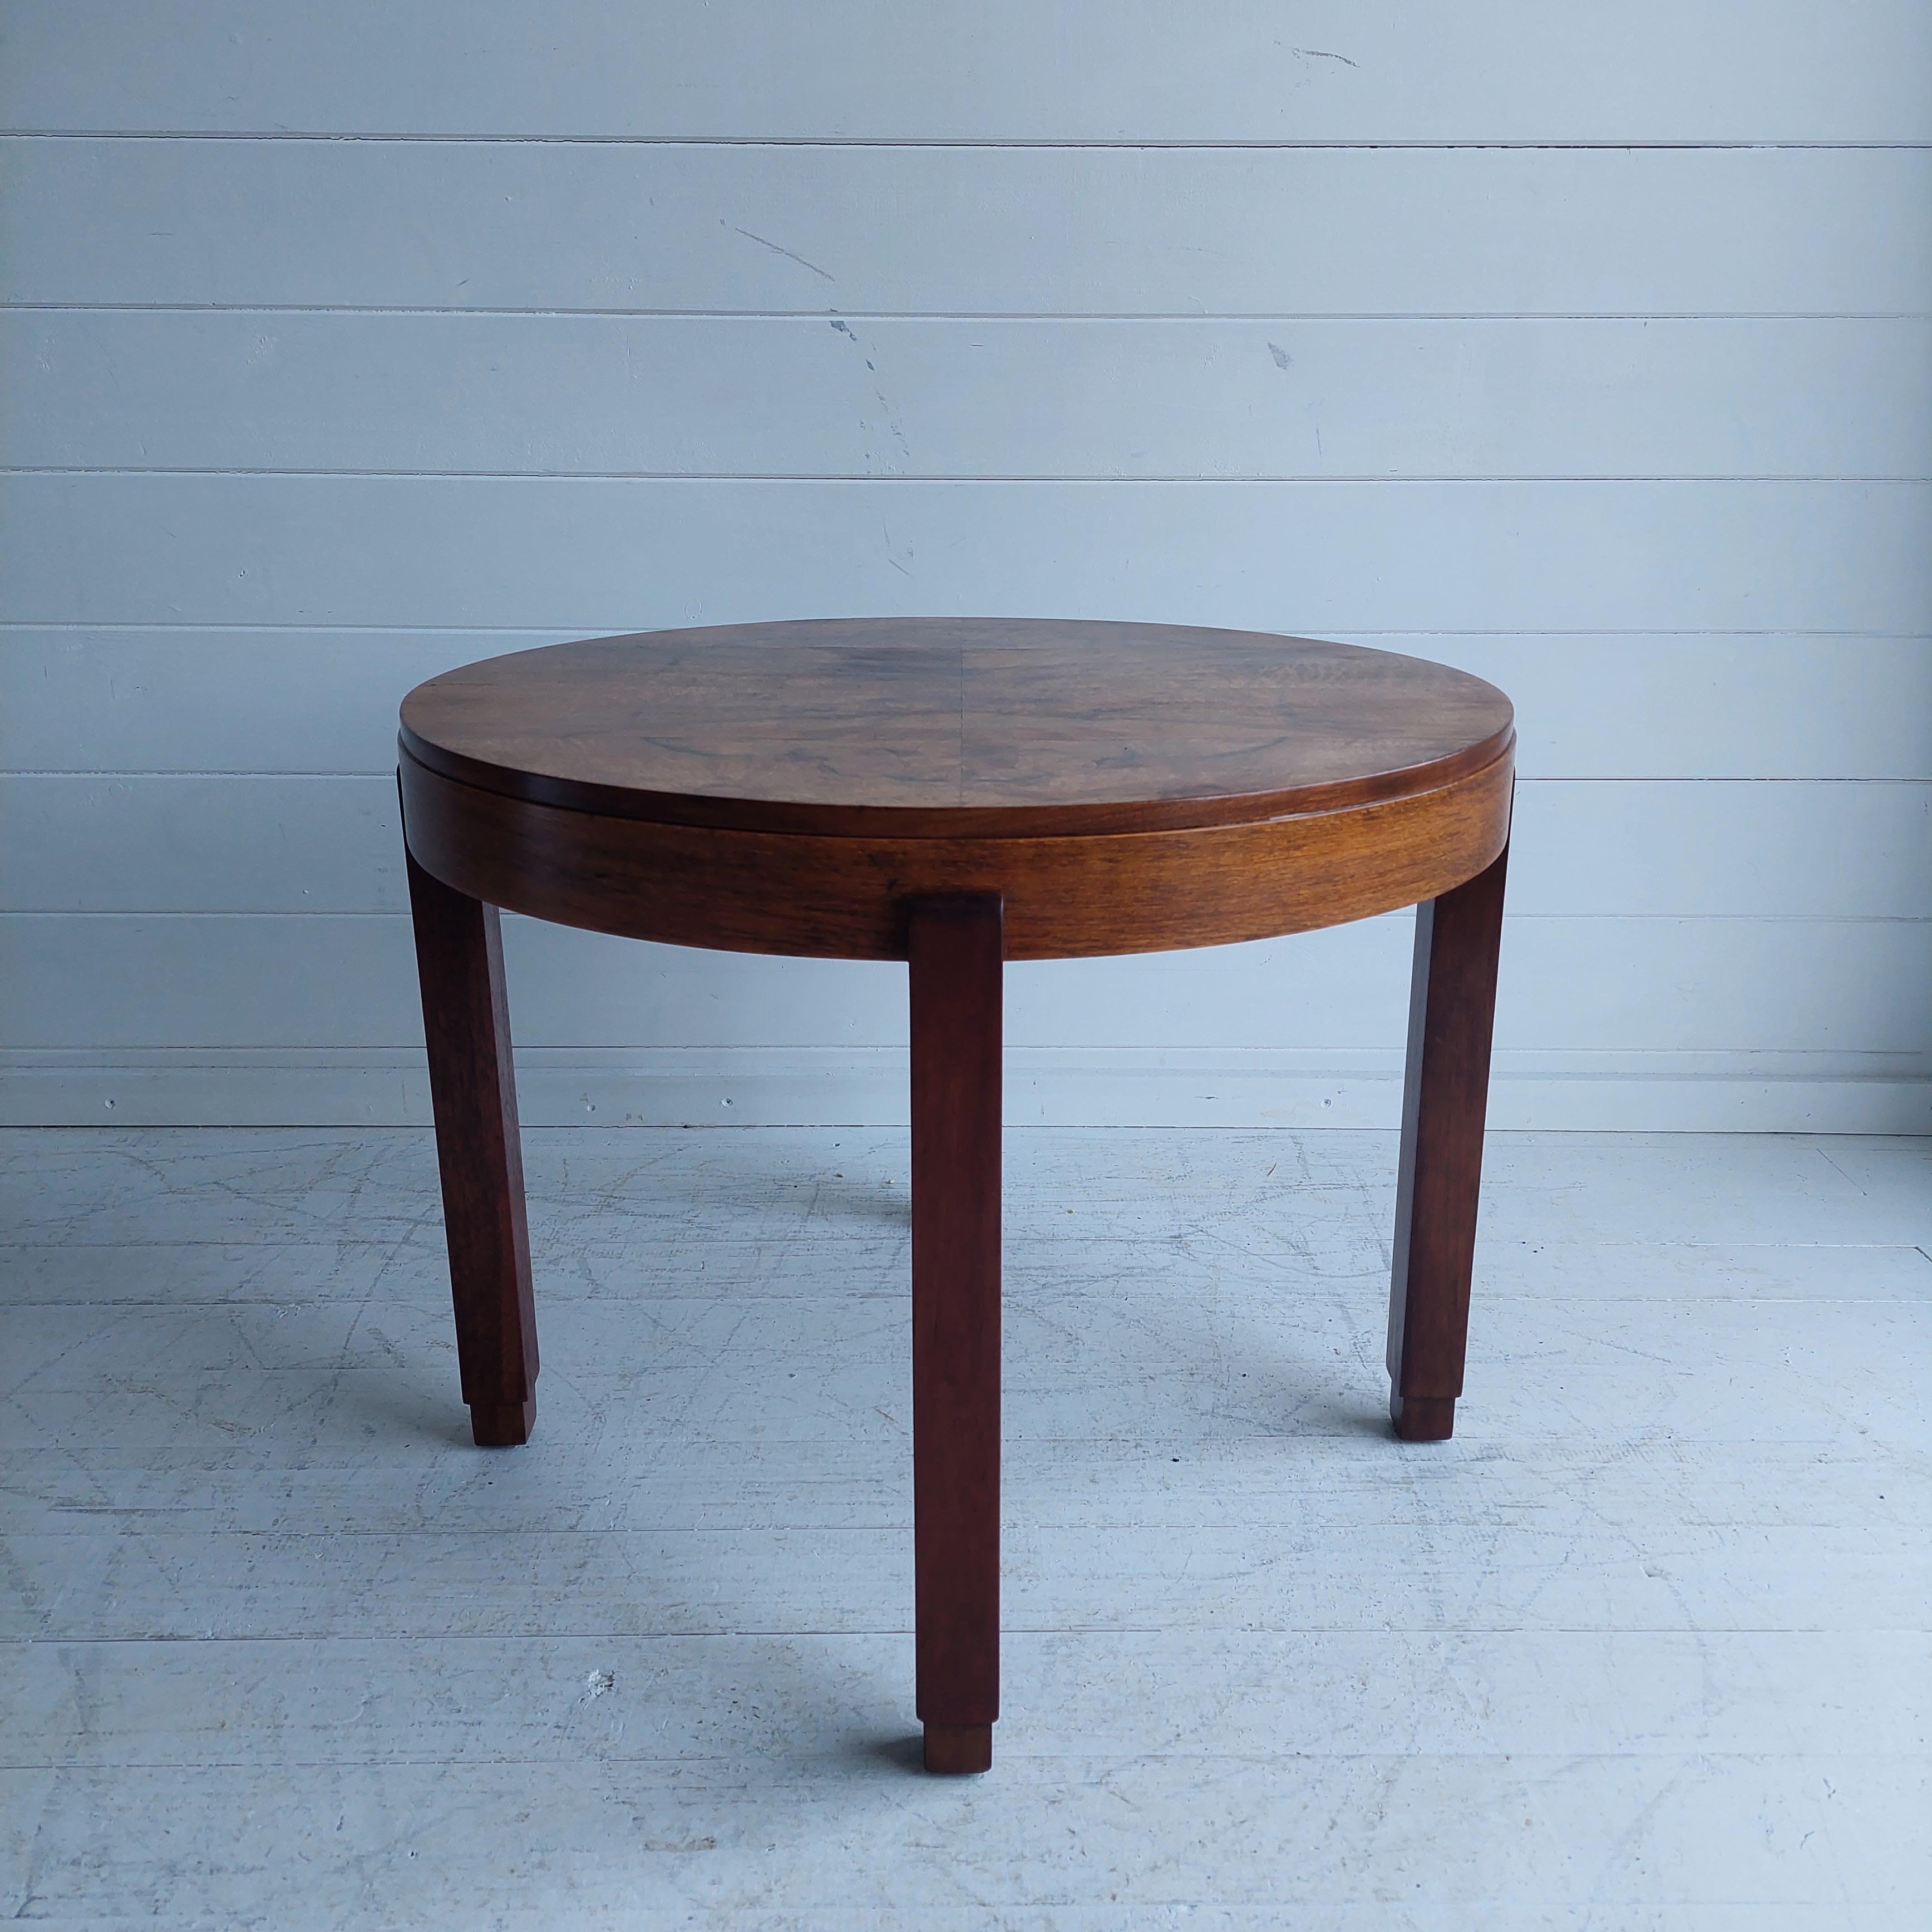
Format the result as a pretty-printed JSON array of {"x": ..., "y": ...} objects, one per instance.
[{"x": 1645, "y": 1647}]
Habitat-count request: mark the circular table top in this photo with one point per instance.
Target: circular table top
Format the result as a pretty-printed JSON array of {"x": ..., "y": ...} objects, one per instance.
[{"x": 915, "y": 727}]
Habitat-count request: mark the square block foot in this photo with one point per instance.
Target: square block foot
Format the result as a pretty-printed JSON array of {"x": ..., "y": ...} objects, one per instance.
[
  {"x": 1422, "y": 1418},
  {"x": 502, "y": 1425},
  {"x": 956, "y": 1748}
]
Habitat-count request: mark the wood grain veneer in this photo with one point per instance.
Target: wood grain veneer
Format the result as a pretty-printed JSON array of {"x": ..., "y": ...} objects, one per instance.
[
  {"x": 956, "y": 794},
  {"x": 946, "y": 728}
]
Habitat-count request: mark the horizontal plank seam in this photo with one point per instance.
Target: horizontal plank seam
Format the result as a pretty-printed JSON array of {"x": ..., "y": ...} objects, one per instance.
[
  {"x": 1130, "y": 479},
  {"x": 334, "y": 137},
  {"x": 1340, "y": 633},
  {"x": 1434, "y": 1630},
  {"x": 1903, "y": 1062},
  {"x": 384, "y": 775},
  {"x": 991, "y": 316},
  {"x": 1515, "y": 918}
]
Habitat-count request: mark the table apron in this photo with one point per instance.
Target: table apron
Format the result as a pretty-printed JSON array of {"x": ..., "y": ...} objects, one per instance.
[{"x": 845, "y": 898}]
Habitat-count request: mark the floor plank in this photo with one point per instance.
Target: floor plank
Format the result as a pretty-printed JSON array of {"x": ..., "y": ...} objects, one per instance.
[{"x": 1645, "y": 1644}]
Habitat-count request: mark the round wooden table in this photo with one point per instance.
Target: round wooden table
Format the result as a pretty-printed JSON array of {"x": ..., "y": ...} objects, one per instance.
[{"x": 955, "y": 793}]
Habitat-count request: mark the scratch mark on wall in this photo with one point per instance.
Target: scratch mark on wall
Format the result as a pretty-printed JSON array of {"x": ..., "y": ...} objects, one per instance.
[
  {"x": 787, "y": 253},
  {"x": 879, "y": 396},
  {"x": 1317, "y": 53}
]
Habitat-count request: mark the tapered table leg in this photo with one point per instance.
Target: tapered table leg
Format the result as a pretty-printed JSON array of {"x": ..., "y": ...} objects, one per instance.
[
  {"x": 1445, "y": 1093},
  {"x": 466, "y": 1020},
  {"x": 955, "y": 956}
]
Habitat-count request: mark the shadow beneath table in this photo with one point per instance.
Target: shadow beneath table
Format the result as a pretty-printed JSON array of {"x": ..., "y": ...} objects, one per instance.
[
  {"x": 379, "y": 1403},
  {"x": 906, "y": 1752}
]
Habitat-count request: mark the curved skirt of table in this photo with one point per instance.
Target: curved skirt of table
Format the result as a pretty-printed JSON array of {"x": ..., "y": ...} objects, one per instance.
[
  {"x": 846, "y": 898},
  {"x": 956, "y": 909}
]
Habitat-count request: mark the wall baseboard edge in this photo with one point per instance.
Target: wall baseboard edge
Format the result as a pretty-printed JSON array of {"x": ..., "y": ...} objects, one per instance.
[{"x": 1645, "y": 1092}]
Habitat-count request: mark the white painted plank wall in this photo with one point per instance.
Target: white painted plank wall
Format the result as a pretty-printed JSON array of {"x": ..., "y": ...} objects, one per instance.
[
  {"x": 562, "y": 227},
  {"x": 318, "y": 699},
  {"x": 1105, "y": 398},
  {"x": 1003, "y": 71},
  {"x": 189, "y": 841},
  {"x": 595, "y": 553},
  {"x": 1592, "y": 351}
]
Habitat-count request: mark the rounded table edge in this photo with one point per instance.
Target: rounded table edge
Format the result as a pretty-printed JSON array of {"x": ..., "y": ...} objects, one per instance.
[
  {"x": 845, "y": 895},
  {"x": 1093, "y": 818}
]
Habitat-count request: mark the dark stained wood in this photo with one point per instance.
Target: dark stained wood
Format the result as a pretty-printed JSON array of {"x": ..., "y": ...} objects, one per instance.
[
  {"x": 958, "y": 1749},
  {"x": 956, "y": 793},
  {"x": 951, "y": 728},
  {"x": 1452, "y": 1010},
  {"x": 465, "y": 1019},
  {"x": 955, "y": 973},
  {"x": 1066, "y": 897}
]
